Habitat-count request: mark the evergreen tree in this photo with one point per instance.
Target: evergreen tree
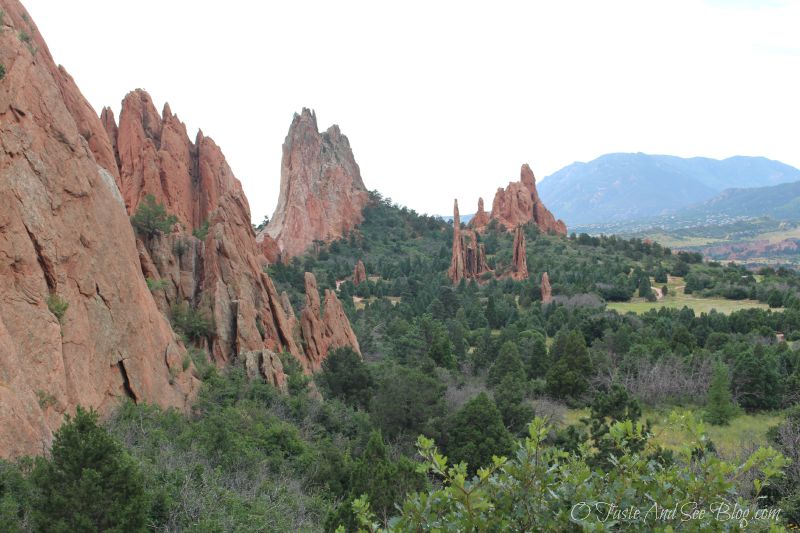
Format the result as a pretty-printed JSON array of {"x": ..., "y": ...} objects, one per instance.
[
  {"x": 151, "y": 218},
  {"x": 538, "y": 359},
  {"x": 508, "y": 363},
  {"x": 509, "y": 397},
  {"x": 568, "y": 376},
  {"x": 345, "y": 376},
  {"x": 477, "y": 433},
  {"x": 90, "y": 483},
  {"x": 719, "y": 404},
  {"x": 645, "y": 291}
]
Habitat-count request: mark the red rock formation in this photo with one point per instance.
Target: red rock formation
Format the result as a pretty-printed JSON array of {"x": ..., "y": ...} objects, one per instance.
[
  {"x": 519, "y": 261},
  {"x": 223, "y": 275},
  {"x": 267, "y": 364},
  {"x": 359, "y": 273},
  {"x": 547, "y": 292},
  {"x": 321, "y": 195},
  {"x": 269, "y": 247},
  {"x": 456, "y": 272},
  {"x": 469, "y": 257},
  {"x": 519, "y": 203},
  {"x": 65, "y": 236},
  {"x": 156, "y": 157},
  {"x": 323, "y": 330},
  {"x": 481, "y": 218}
]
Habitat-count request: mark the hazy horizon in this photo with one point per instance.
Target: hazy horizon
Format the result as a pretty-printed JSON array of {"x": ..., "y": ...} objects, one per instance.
[{"x": 449, "y": 99}]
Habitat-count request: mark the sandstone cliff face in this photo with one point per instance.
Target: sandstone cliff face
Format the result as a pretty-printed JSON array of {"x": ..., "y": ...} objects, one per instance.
[
  {"x": 359, "y": 273},
  {"x": 469, "y": 257},
  {"x": 65, "y": 237},
  {"x": 519, "y": 203},
  {"x": 519, "y": 261},
  {"x": 321, "y": 194},
  {"x": 547, "y": 292},
  {"x": 323, "y": 330}
]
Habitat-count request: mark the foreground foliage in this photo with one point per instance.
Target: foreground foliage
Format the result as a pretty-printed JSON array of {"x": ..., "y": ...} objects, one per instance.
[{"x": 543, "y": 488}]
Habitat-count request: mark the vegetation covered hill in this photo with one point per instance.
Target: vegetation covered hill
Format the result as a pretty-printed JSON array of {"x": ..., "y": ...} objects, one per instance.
[{"x": 491, "y": 379}]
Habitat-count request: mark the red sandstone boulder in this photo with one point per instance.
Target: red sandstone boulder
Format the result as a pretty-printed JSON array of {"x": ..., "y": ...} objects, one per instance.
[{"x": 321, "y": 194}]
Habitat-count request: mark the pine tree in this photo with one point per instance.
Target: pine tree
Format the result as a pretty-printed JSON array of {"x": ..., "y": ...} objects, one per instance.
[
  {"x": 477, "y": 433},
  {"x": 508, "y": 362},
  {"x": 719, "y": 404},
  {"x": 152, "y": 218},
  {"x": 90, "y": 483}
]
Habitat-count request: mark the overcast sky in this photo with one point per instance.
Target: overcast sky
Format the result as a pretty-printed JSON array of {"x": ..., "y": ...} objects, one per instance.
[{"x": 447, "y": 99}]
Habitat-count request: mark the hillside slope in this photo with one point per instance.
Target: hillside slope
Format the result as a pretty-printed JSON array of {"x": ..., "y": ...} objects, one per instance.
[{"x": 622, "y": 187}]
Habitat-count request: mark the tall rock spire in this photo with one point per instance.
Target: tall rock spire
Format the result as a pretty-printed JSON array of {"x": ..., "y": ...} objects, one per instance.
[
  {"x": 519, "y": 261},
  {"x": 547, "y": 292},
  {"x": 469, "y": 257},
  {"x": 456, "y": 271},
  {"x": 322, "y": 195}
]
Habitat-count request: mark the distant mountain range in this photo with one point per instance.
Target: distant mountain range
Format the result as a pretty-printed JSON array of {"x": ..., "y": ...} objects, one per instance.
[{"x": 618, "y": 188}]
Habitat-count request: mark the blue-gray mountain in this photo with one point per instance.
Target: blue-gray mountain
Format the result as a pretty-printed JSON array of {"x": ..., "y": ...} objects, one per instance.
[{"x": 625, "y": 187}]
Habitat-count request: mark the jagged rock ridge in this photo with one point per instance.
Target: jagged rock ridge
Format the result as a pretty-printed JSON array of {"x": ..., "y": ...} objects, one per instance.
[
  {"x": 221, "y": 273},
  {"x": 519, "y": 204}
]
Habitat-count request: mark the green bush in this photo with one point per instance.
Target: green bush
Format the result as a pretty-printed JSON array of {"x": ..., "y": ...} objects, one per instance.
[
  {"x": 541, "y": 488},
  {"x": 2, "y": 71},
  {"x": 193, "y": 323},
  {"x": 156, "y": 284},
  {"x": 201, "y": 232},
  {"x": 57, "y": 305},
  {"x": 151, "y": 218}
]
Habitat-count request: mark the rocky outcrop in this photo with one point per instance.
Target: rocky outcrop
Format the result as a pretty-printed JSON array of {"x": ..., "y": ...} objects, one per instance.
[
  {"x": 323, "y": 330},
  {"x": 321, "y": 194},
  {"x": 265, "y": 364},
  {"x": 519, "y": 261},
  {"x": 456, "y": 272},
  {"x": 269, "y": 247},
  {"x": 469, "y": 256},
  {"x": 223, "y": 274},
  {"x": 359, "y": 273},
  {"x": 77, "y": 322},
  {"x": 519, "y": 204},
  {"x": 156, "y": 157},
  {"x": 480, "y": 220},
  {"x": 547, "y": 292},
  {"x": 218, "y": 270}
]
